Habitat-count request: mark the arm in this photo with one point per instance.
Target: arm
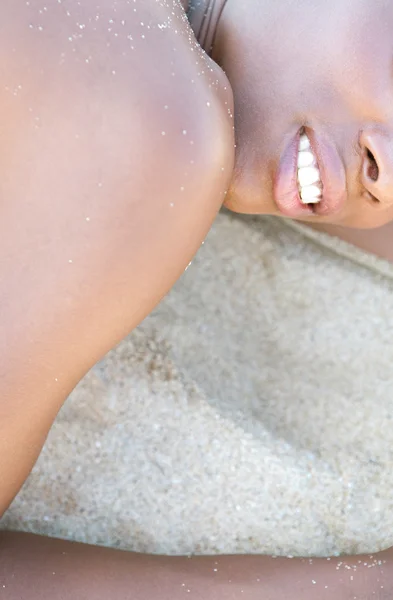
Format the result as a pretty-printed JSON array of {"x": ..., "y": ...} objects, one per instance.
[
  {"x": 48, "y": 569},
  {"x": 111, "y": 177}
]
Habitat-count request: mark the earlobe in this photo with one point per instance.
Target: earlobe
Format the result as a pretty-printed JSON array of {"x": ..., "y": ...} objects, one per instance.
[{"x": 204, "y": 16}]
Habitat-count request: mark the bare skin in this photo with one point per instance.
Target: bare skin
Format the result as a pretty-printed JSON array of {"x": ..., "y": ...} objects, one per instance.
[
  {"x": 97, "y": 241},
  {"x": 327, "y": 66},
  {"x": 112, "y": 182},
  {"x": 41, "y": 568}
]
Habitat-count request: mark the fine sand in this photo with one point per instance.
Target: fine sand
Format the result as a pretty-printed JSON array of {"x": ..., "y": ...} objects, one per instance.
[{"x": 252, "y": 412}]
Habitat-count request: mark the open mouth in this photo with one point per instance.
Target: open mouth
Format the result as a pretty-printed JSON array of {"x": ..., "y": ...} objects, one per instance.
[
  {"x": 310, "y": 179},
  {"x": 308, "y": 175}
]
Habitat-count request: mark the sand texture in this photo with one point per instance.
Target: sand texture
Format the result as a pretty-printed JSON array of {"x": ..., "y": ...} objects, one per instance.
[{"x": 252, "y": 412}]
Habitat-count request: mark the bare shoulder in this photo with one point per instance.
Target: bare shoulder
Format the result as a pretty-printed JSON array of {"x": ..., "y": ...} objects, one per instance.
[
  {"x": 115, "y": 130},
  {"x": 125, "y": 74}
]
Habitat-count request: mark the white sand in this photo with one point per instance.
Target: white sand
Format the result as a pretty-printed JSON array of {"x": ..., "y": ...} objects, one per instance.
[{"x": 252, "y": 412}]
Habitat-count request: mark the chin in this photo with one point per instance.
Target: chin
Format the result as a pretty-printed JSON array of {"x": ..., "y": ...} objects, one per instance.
[{"x": 251, "y": 206}]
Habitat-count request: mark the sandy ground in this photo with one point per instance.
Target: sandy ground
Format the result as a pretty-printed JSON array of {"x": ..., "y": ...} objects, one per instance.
[{"x": 252, "y": 412}]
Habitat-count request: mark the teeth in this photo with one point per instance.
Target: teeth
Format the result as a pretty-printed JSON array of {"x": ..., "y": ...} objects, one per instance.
[
  {"x": 310, "y": 193},
  {"x": 312, "y": 200},
  {"x": 304, "y": 143},
  {"x": 308, "y": 175},
  {"x": 305, "y": 159}
]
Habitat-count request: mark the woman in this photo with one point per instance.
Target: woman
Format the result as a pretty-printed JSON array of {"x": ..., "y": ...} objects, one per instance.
[{"x": 53, "y": 266}]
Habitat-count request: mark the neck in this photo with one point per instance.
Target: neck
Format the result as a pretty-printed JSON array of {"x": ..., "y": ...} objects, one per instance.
[{"x": 204, "y": 16}]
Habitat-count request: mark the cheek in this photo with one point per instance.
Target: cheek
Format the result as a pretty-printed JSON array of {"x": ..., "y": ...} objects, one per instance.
[
  {"x": 358, "y": 61},
  {"x": 367, "y": 219}
]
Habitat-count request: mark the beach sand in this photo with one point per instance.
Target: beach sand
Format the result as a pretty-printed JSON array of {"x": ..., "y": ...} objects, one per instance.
[{"x": 251, "y": 412}]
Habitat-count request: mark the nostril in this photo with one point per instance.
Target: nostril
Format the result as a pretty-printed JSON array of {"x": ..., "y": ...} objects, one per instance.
[
  {"x": 372, "y": 169},
  {"x": 376, "y": 165}
]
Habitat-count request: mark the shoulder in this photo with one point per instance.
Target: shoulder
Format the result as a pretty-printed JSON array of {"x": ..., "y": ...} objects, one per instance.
[{"x": 136, "y": 79}]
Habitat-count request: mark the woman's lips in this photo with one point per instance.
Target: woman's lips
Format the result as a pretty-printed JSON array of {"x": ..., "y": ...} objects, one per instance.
[{"x": 332, "y": 172}]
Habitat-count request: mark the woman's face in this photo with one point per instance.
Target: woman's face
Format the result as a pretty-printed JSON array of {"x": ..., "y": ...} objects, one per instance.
[{"x": 322, "y": 65}]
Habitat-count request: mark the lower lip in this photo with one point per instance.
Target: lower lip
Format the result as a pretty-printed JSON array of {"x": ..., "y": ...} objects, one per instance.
[{"x": 286, "y": 193}]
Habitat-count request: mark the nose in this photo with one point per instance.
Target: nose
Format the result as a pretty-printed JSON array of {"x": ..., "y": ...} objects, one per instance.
[{"x": 377, "y": 165}]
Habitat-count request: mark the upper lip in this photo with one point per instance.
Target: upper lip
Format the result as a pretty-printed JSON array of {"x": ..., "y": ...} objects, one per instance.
[{"x": 332, "y": 174}]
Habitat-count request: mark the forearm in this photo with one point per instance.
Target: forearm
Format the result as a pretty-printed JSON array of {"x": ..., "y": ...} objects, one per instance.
[{"x": 43, "y": 568}]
